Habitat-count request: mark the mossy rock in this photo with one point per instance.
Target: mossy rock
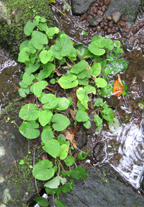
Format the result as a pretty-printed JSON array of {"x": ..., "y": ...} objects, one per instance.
[{"x": 17, "y": 13}]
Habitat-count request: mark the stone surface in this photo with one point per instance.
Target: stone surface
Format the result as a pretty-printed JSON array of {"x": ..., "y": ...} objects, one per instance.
[
  {"x": 130, "y": 7},
  {"x": 116, "y": 16},
  {"x": 3, "y": 11},
  {"x": 96, "y": 20},
  {"x": 81, "y": 6},
  {"x": 94, "y": 192}
]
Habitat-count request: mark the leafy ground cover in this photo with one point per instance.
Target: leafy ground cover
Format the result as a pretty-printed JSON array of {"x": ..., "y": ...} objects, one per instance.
[{"x": 65, "y": 86}]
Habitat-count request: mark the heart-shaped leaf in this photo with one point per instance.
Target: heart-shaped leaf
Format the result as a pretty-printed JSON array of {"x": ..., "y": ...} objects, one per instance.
[
  {"x": 50, "y": 101},
  {"x": 101, "y": 82},
  {"x": 39, "y": 39},
  {"x": 47, "y": 134},
  {"x": 68, "y": 81},
  {"x": 82, "y": 96},
  {"x": 37, "y": 88},
  {"x": 46, "y": 72},
  {"x": 29, "y": 129},
  {"x": 45, "y": 56},
  {"x": 45, "y": 117},
  {"x": 29, "y": 112},
  {"x": 79, "y": 67},
  {"x": 63, "y": 151},
  {"x": 61, "y": 122},
  {"x": 82, "y": 116},
  {"x": 43, "y": 170},
  {"x": 52, "y": 147},
  {"x": 96, "y": 69},
  {"x": 63, "y": 103}
]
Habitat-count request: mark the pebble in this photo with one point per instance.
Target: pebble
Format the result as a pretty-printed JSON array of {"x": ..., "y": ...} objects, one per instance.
[
  {"x": 141, "y": 24},
  {"x": 141, "y": 40},
  {"x": 99, "y": 12},
  {"x": 116, "y": 16},
  {"x": 103, "y": 8},
  {"x": 98, "y": 28},
  {"x": 135, "y": 30},
  {"x": 126, "y": 30},
  {"x": 110, "y": 24},
  {"x": 83, "y": 17},
  {"x": 106, "y": 2},
  {"x": 109, "y": 17},
  {"x": 122, "y": 23}
]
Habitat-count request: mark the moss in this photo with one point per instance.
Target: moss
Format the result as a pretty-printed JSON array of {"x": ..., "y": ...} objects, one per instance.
[
  {"x": 19, "y": 12},
  {"x": 22, "y": 181}
]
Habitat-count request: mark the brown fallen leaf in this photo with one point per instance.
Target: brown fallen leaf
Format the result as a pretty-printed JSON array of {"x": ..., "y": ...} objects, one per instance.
[
  {"x": 72, "y": 114},
  {"x": 70, "y": 137}
]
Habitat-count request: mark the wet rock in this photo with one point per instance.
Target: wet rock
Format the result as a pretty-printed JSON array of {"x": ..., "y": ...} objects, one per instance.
[
  {"x": 81, "y": 6},
  {"x": 99, "y": 12},
  {"x": 94, "y": 192},
  {"x": 110, "y": 24},
  {"x": 81, "y": 138},
  {"x": 129, "y": 7},
  {"x": 116, "y": 16},
  {"x": 99, "y": 152},
  {"x": 98, "y": 28},
  {"x": 95, "y": 20}
]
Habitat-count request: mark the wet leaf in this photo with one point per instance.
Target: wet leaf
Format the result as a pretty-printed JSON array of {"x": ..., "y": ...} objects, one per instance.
[
  {"x": 43, "y": 170},
  {"x": 82, "y": 155},
  {"x": 114, "y": 125},
  {"x": 90, "y": 89},
  {"x": 98, "y": 121},
  {"x": 23, "y": 92},
  {"x": 118, "y": 87},
  {"x": 52, "y": 30},
  {"x": 98, "y": 102},
  {"x": 87, "y": 124},
  {"x": 53, "y": 183},
  {"x": 28, "y": 78},
  {"x": 108, "y": 114}
]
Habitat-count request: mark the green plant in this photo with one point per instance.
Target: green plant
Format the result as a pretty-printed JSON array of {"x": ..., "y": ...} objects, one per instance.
[{"x": 45, "y": 54}]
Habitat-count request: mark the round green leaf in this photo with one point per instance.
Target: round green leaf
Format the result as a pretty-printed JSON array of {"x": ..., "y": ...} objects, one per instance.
[
  {"x": 50, "y": 101},
  {"x": 23, "y": 92},
  {"x": 63, "y": 103},
  {"x": 43, "y": 170},
  {"x": 59, "y": 203},
  {"x": 29, "y": 28},
  {"x": 101, "y": 83},
  {"x": 47, "y": 134},
  {"x": 41, "y": 201},
  {"x": 61, "y": 122},
  {"x": 68, "y": 81},
  {"x": 82, "y": 116},
  {"x": 39, "y": 39},
  {"x": 28, "y": 78},
  {"x": 29, "y": 129},
  {"x": 90, "y": 89},
  {"x": 98, "y": 121},
  {"x": 37, "y": 88},
  {"x": 52, "y": 147},
  {"x": 29, "y": 112},
  {"x": 63, "y": 151},
  {"x": 23, "y": 55},
  {"x": 45, "y": 117},
  {"x": 45, "y": 56},
  {"x": 46, "y": 72}
]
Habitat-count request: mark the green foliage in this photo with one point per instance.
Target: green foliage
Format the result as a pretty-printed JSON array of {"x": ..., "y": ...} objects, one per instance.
[{"x": 87, "y": 70}]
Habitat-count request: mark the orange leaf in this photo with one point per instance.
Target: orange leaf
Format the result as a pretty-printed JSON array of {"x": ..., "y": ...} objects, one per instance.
[
  {"x": 70, "y": 137},
  {"x": 118, "y": 87}
]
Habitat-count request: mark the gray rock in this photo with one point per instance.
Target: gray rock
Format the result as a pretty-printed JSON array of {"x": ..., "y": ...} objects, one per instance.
[
  {"x": 116, "y": 16},
  {"x": 3, "y": 11},
  {"x": 95, "y": 20},
  {"x": 94, "y": 192},
  {"x": 80, "y": 6},
  {"x": 128, "y": 7}
]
